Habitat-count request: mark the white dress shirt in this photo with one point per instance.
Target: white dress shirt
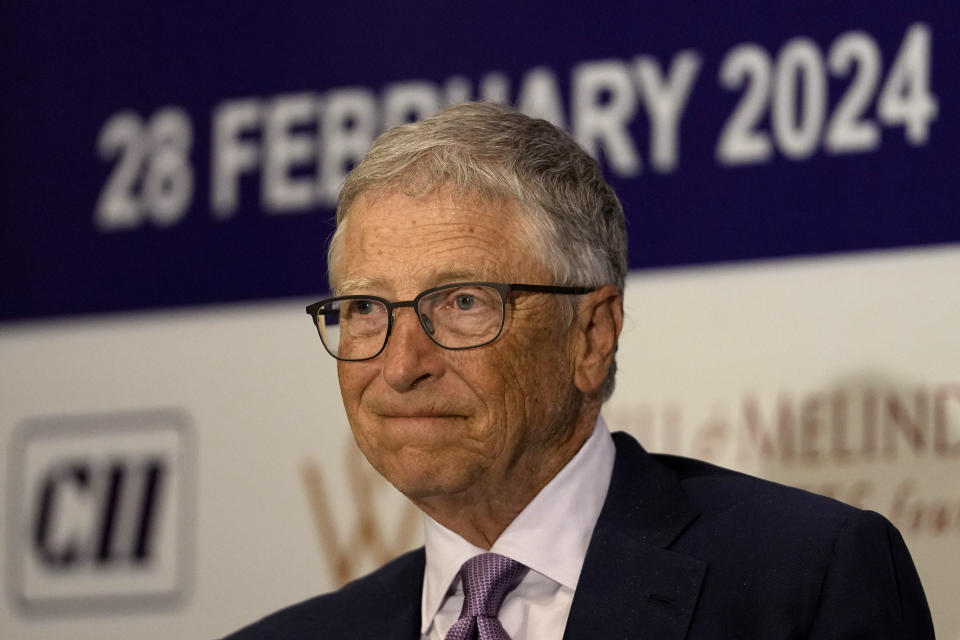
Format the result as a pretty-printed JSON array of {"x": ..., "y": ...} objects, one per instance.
[{"x": 550, "y": 536}]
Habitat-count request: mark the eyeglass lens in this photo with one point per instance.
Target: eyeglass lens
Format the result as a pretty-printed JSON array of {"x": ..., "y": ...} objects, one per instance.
[{"x": 455, "y": 317}]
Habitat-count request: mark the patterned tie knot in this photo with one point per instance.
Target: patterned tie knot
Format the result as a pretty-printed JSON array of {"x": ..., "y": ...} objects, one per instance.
[{"x": 487, "y": 579}]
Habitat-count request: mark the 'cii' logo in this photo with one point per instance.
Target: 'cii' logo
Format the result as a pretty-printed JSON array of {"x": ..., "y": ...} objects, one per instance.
[{"x": 101, "y": 508}]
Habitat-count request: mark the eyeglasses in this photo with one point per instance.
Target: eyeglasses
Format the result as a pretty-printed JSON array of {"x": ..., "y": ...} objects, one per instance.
[{"x": 456, "y": 316}]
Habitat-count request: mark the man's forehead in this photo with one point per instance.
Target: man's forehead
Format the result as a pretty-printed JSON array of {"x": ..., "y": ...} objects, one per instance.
[
  {"x": 409, "y": 249},
  {"x": 431, "y": 240}
]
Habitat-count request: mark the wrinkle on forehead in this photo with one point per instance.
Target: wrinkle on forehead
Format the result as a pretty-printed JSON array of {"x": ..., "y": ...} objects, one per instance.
[
  {"x": 430, "y": 241},
  {"x": 443, "y": 197}
]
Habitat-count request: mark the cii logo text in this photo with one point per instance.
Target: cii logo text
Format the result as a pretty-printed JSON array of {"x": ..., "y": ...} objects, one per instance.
[{"x": 101, "y": 510}]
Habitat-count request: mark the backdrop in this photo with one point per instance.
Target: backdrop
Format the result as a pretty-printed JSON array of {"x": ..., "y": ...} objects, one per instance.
[{"x": 177, "y": 462}]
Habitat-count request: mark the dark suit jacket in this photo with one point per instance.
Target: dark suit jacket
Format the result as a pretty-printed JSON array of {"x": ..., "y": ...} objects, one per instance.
[{"x": 682, "y": 549}]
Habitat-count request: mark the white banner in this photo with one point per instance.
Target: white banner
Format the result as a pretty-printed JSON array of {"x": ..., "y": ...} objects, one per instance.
[{"x": 200, "y": 460}]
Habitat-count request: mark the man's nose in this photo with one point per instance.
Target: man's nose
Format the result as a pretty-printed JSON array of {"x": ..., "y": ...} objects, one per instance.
[{"x": 410, "y": 357}]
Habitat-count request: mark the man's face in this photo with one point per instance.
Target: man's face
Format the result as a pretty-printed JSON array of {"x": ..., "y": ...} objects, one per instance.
[{"x": 437, "y": 422}]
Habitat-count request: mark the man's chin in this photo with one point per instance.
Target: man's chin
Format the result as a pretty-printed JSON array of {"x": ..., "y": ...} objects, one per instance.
[{"x": 421, "y": 475}]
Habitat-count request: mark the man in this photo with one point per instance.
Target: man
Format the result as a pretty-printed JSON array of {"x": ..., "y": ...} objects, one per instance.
[{"x": 478, "y": 268}]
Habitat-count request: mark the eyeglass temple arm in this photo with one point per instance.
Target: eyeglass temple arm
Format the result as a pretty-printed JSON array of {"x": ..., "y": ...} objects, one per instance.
[{"x": 545, "y": 288}]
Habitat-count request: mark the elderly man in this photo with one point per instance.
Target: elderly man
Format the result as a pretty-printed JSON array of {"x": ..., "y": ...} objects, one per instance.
[{"x": 478, "y": 268}]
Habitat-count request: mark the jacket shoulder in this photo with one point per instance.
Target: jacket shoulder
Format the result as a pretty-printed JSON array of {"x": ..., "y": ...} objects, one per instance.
[
  {"x": 389, "y": 598},
  {"x": 757, "y": 514},
  {"x": 773, "y": 549},
  {"x": 715, "y": 490}
]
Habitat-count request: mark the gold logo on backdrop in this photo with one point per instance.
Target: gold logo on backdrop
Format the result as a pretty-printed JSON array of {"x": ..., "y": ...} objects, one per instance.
[
  {"x": 872, "y": 441},
  {"x": 369, "y": 542}
]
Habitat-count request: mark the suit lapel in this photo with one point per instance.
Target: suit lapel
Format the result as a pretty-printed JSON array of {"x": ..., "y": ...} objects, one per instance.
[
  {"x": 398, "y": 610},
  {"x": 632, "y": 585}
]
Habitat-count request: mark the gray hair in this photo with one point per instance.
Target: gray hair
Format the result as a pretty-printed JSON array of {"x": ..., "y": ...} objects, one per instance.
[{"x": 573, "y": 218}]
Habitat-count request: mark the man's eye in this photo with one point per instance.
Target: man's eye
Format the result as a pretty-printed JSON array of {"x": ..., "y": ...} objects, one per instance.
[
  {"x": 363, "y": 307},
  {"x": 469, "y": 300}
]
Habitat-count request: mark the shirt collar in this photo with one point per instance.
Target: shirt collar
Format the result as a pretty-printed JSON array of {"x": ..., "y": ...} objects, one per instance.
[{"x": 565, "y": 512}]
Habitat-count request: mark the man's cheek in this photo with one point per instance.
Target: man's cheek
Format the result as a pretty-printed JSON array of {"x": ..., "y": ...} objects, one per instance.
[{"x": 515, "y": 382}]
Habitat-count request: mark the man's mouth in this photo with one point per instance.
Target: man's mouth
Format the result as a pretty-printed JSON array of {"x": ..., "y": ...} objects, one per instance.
[
  {"x": 394, "y": 410},
  {"x": 420, "y": 416}
]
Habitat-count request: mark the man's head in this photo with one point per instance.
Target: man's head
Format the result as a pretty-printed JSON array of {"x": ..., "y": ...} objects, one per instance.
[
  {"x": 572, "y": 217},
  {"x": 480, "y": 193}
]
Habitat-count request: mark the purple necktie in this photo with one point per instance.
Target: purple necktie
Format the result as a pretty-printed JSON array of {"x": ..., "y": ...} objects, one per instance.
[{"x": 487, "y": 579}]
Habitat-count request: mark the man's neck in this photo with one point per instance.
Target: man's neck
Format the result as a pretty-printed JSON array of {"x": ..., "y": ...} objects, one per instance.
[{"x": 481, "y": 513}]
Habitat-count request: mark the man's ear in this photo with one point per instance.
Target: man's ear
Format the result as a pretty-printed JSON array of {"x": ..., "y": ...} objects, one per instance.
[{"x": 597, "y": 327}]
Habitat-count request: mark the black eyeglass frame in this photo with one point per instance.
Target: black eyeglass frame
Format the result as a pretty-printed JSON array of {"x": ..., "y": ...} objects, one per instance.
[{"x": 314, "y": 310}]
